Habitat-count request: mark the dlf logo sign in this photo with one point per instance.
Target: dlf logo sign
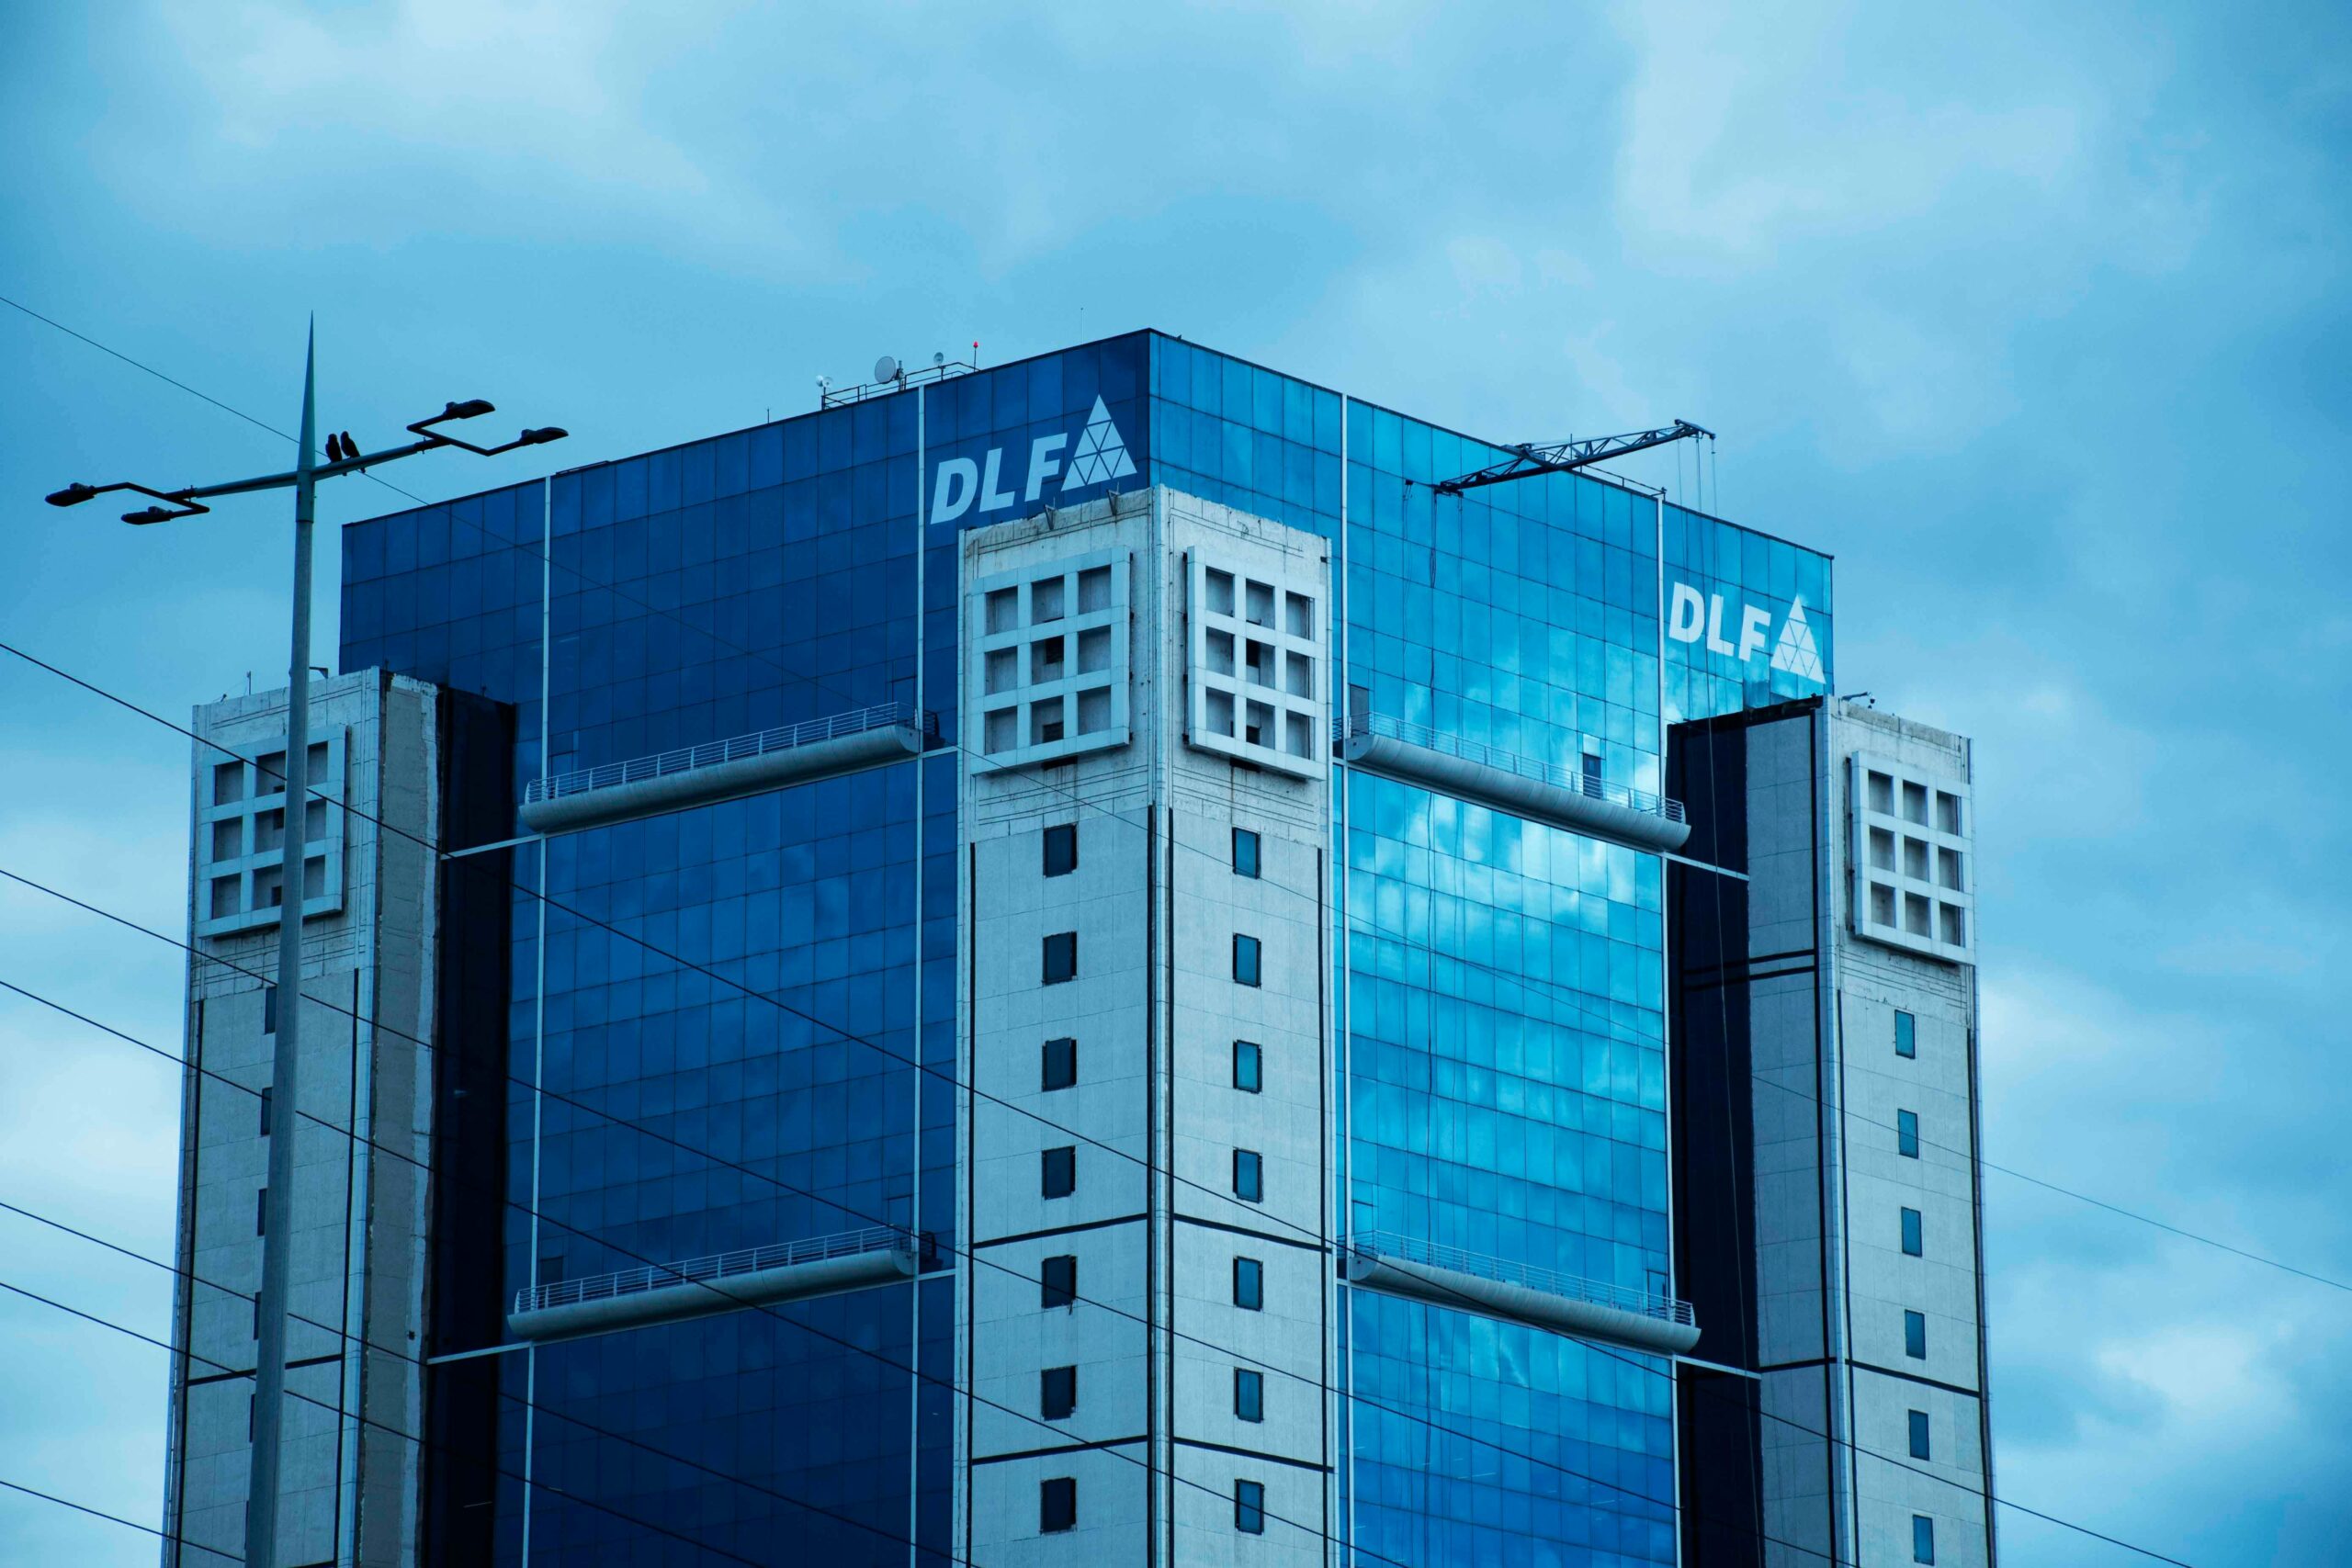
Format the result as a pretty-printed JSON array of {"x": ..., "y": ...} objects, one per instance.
[
  {"x": 1693, "y": 615},
  {"x": 1101, "y": 456}
]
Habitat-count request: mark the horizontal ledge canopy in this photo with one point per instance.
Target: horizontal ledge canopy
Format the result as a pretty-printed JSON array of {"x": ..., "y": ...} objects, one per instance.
[
  {"x": 815, "y": 1266},
  {"x": 726, "y": 770},
  {"x": 1522, "y": 786},
  {"x": 1539, "y": 1298}
]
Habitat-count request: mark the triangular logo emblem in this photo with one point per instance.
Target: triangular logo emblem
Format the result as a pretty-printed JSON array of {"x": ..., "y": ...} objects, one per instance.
[
  {"x": 1100, "y": 456},
  {"x": 1796, "y": 652}
]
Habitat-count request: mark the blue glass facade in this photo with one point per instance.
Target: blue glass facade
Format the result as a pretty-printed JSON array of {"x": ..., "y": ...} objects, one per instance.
[{"x": 1502, "y": 1062}]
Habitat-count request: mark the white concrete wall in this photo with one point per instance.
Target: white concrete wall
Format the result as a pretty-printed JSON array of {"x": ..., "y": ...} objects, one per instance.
[
  {"x": 348, "y": 1484},
  {"x": 1155, "y": 1010},
  {"x": 1832, "y": 1282}
]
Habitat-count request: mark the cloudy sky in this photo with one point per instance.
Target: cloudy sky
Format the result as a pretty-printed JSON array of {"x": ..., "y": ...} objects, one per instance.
[{"x": 2036, "y": 319}]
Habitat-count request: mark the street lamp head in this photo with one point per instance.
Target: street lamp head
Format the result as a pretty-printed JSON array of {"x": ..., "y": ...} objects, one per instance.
[
  {"x": 73, "y": 495},
  {"x": 471, "y": 408},
  {"x": 152, "y": 515},
  {"x": 542, "y": 435}
]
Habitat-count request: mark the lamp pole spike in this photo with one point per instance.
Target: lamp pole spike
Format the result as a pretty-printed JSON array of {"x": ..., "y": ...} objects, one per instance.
[{"x": 278, "y": 1203}]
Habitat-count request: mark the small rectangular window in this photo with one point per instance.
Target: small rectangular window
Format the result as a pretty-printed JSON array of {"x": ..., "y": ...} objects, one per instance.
[
  {"x": 1044, "y": 601},
  {"x": 1249, "y": 1508},
  {"x": 1058, "y": 1505},
  {"x": 1061, "y": 957},
  {"x": 1906, "y": 1133},
  {"x": 1245, "y": 960},
  {"x": 1906, "y": 1035},
  {"x": 1245, "y": 853},
  {"x": 1061, "y": 849},
  {"x": 1248, "y": 1176},
  {"x": 260, "y": 1211},
  {"x": 1947, "y": 813},
  {"x": 1060, "y": 1064},
  {"x": 1919, "y": 1435},
  {"x": 1058, "y": 1172},
  {"x": 1247, "y": 1067},
  {"x": 1249, "y": 1284},
  {"x": 1923, "y": 1539},
  {"x": 1058, "y": 1393},
  {"x": 269, "y": 1010},
  {"x": 1915, "y": 1335},
  {"x": 1057, "y": 1282},
  {"x": 265, "y": 1112},
  {"x": 1914, "y": 1244},
  {"x": 1248, "y": 1394}
]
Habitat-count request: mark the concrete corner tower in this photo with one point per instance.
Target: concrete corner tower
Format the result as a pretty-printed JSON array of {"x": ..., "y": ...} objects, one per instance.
[{"x": 1148, "y": 677}]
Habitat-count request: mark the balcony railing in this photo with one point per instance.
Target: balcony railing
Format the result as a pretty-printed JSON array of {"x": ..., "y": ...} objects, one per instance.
[
  {"x": 723, "y": 1265},
  {"x": 1374, "y": 1244},
  {"x": 1591, "y": 786},
  {"x": 712, "y": 753}
]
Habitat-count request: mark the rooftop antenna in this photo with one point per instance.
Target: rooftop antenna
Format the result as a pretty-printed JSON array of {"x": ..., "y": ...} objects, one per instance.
[
  {"x": 937, "y": 359},
  {"x": 888, "y": 369},
  {"x": 976, "y": 354}
]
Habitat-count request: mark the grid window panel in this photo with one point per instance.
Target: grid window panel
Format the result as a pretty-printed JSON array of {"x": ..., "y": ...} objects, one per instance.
[
  {"x": 1258, "y": 674},
  {"x": 241, "y": 835},
  {"x": 1909, "y": 861},
  {"x": 1047, "y": 653}
]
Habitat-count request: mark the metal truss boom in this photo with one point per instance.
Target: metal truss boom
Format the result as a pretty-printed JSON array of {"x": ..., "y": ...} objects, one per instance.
[{"x": 1566, "y": 457}]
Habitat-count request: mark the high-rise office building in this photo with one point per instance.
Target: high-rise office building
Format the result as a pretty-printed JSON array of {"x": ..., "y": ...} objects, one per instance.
[{"x": 1084, "y": 960}]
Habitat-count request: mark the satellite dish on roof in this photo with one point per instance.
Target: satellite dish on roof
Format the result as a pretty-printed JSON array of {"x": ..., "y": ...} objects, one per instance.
[{"x": 885, "y": 369}]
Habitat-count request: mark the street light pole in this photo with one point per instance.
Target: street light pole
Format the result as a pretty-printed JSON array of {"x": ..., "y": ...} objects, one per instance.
[
  {"x": 278, "y": 1197},
  {"x": 285, "y": 1061}
]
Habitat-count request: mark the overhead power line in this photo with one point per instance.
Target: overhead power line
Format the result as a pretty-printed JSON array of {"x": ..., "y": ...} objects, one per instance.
[
  {"x": 115, "y": 1520},
  {"x": 817, "y": 683},
  {"x": 1322, "y": 1387},
  {"x": 831, "y": 1028}
]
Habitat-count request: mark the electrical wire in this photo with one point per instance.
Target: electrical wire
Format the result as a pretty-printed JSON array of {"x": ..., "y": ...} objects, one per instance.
[
  {"x": 708, "y": 1287},
  {"x": 748, "y": 991},
  {"x": 115, "y": 1520},
  {"x": 973, "y": 1254},
  {"x": 366, "y": 1345},
  {"x": 1322, "y": 1387},
  {"x": 834, "y": 1029}
]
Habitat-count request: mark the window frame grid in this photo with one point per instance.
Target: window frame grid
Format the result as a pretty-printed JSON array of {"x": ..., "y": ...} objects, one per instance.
[{"x": 1201, "y": 622}]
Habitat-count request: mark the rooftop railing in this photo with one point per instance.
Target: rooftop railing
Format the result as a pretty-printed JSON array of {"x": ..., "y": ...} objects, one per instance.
[
  {"x": 882, "y": 716},
  {"x": 723, "y": 1265},
  {"x": 1374, "y": 1244},
  {"x": 1351, "y": 726}
]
